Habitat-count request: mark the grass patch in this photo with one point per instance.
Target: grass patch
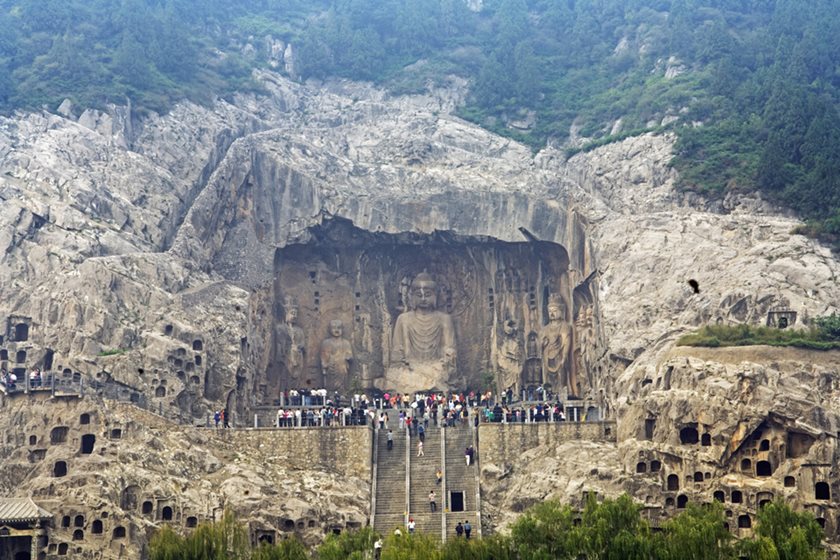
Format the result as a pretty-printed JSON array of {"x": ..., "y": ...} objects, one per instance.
[
  {"x": 113, "y": 352},
  {"x": 714, "y": 336}
]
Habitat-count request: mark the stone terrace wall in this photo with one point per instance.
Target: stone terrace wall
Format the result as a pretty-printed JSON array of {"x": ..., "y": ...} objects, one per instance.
[
  {"x": 505, "y": 443},
  {"x": 344, "y": 450}
]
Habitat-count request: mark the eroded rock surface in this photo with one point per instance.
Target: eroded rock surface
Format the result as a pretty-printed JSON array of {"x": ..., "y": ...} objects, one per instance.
[{"x": 141, "y": 255}]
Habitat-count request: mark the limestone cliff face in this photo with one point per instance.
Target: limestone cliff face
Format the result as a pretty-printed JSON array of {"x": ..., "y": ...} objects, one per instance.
[{"x": 141, "y": 255}]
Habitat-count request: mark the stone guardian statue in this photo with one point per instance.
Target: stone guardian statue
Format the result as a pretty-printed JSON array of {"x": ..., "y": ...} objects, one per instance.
[{"x": 556, "y": 346}]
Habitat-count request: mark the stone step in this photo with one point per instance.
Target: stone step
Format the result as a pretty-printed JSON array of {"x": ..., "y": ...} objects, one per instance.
[{"x": 428, "y": 523}]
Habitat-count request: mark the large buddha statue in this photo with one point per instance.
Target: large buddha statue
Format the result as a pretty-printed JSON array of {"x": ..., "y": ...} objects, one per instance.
[{"x": 423, "y": 354}]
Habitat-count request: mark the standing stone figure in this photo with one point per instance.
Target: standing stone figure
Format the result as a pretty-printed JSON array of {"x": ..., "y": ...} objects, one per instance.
[
  {"x": 291, "y": 345},
  {"x": 585, "y": 346},
  {"x": 336, "y": 357},
  {"x": 556, "y": 345},
  {"x": 423, "y": 354},
  {"x": 510, "y": 358}
]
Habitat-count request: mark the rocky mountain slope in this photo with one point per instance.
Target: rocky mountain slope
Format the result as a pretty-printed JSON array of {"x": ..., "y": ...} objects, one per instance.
[{"x": 135, "y": 251}]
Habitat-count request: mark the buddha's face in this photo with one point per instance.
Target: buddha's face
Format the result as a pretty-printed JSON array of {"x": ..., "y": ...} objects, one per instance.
[
  {"x": 291, "y": 315},
  {"x": 423, "y": 294},
  {"x": 336, "y": 329},
  {"x": 555, "y": 313}
]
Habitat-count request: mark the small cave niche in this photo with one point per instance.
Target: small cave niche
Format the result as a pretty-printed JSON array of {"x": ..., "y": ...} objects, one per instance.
[
  {"x": 197, "y": 360},
  {"x": 669, "y": 502},
  {"x": 166, "y": 513},
  {"x": 79, "y": 521},
  {"x": 20, "y": 357},
  {"x": 190, "y": 367},
  {"x": 821, "y": 522},
  {"x": 744, "y": 522},
  {"x": 198, "y": 345},
  {"x": 265, "y": 537},
  {"x": 763, "y": 468},
  {"x": 698, "y": 476},
  {"x": 790, "y": 482},
  {"x": 168, "y": 330},
  {"x": 78, "y": 535},
  {"x": 682, "y": 501},
  {"x": 288, "y": 525},
  {"x": 49, "y": 355},
  {"x": 746, "y": 465},
  {"x": 116, "y": 433},
  {"x": 655, "y": 466},
  {"x": 737, "y": 497},
  {"x": 822, "y": 491},
  {"x": 688, "y": 435},
  {"x": 178, "y": 363},
  {"x": 192, "y": 521},
  {"x": 96, "y": 527},
  {"x": 719, "y": 496},
  {"x": 706, "y": 440},
  {"x": 60, "y": 469},
  {"x": 764, "y": 445},
  {"x": 181, "y": 352},
  {"x": 37, "y": 455},
  {"x": 65, "y": 522},
  {"x": 21, "y": 332},
  {"x": 84, "y": 419},
  {"x": 4, "y": 355},
  {"x": 641, "y": 467},
  {"x": 88, "y": 441},
  {"x": 129, "y": 497},
  {"x": 650, "y": 426},
  {"x": 119, "y": 532},
  {"x": 160, "y": 391},
  {"x": 62, "y": 549},
  {"x": 673, "y": 482},
  {"x": 147, "y": 507},
  {"x": 33, "y": 440},
  {"x": 195, "y": 380}
]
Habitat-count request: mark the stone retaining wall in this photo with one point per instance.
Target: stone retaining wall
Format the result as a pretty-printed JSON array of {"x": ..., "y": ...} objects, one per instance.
[
  {"x": 344, "y": 450},
  {"x": 503, "y": 443}
]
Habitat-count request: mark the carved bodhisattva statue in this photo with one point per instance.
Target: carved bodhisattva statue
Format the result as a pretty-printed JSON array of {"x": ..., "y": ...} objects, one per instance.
[
  {"x": 555, "y": 346},
  {"x": 291, "y": 346},
  {"x": 510, "y": 358},
  {"x": 423, "y": 351},
  {"x": 336, "y": 357}
]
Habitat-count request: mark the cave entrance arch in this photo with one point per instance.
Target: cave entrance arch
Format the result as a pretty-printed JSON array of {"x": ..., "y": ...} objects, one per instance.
[{"x": 338, "y": 272}]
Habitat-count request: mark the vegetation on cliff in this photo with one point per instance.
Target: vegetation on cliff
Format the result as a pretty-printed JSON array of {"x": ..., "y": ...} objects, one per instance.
[
  {"x": 610, "y": 529},
  {"x": 750, "y": 87},
  {"x": 824, "y": 334}
]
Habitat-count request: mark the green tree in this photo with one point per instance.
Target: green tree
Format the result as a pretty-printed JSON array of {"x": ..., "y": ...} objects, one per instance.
[
  {"x": 349, "y": 545},
  {"x": 696, "y": 534},
  {"x": 794, "y": 536}
]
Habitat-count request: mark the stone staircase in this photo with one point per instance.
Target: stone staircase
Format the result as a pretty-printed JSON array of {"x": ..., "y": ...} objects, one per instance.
[
  {"x": 390, "y": 479},
  {"x": 461, "y": 478},
  {"x": 423, "y": 480}
]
